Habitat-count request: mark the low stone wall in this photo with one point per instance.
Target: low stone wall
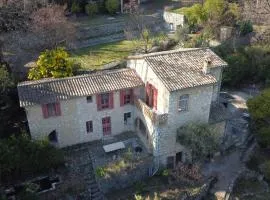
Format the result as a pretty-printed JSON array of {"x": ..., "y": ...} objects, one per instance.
[
  {"x": 126, "y": 177},
  {"x": 173, "y": 19}
]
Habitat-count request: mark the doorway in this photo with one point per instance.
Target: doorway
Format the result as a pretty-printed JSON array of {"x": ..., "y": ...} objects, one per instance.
[{"x": 179, "y": 157}]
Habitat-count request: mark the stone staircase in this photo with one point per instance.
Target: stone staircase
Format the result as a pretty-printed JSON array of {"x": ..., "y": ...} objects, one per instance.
[{"x": 82, "y": 166}]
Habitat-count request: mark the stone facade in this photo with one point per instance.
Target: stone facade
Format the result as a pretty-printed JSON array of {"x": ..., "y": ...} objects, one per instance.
[{"x": 71, "y": 125}]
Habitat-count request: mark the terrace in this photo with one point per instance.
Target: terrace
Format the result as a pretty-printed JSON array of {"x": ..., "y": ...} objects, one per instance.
[{"x": 156, "y": 117}]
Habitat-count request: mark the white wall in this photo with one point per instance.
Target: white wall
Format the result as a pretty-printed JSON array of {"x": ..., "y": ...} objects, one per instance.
[
  {"x": 147, "y": 75},
  {"x": 71, "y": 127},
  {"x": 174, "y": 19}
]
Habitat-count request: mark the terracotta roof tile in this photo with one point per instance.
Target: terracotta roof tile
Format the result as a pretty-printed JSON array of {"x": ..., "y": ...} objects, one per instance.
[
  {"x": 51, "y": 90},
  {"x": 183, "y": 68}
]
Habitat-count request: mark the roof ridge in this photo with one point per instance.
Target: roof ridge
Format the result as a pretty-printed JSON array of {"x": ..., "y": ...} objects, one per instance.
[
  {"x": 99, "y": 72},
  {"x": 167, "y": 52}
]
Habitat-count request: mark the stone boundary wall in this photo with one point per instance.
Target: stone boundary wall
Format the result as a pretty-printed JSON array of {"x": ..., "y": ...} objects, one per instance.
[{"x": 126, "y": 177}]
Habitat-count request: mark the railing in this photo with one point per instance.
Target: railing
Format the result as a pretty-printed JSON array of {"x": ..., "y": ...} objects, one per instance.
[{"x": 147, "y": 111}]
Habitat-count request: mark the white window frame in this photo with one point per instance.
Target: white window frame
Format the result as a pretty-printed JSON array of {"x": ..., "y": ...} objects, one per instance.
[{"x": 183, "y": 104}]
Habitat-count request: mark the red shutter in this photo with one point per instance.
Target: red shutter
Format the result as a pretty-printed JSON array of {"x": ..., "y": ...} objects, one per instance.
[
  {"x": 98, "y": 98},
  {"x": 147, "y": 92},
  {"x": 122, "y": 97},
  {"x": 155, "y": 91},
  {"x": 57, "y": 109},
  {"x": 111, "y": 100},
  {"x": 45, "y": 111},
  {"x": 131, "y": 96}
]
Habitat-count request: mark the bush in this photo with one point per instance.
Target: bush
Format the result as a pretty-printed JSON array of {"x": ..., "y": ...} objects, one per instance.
[
  {"x": 245, "y": 27},
  {"x": 91, "y": 9},
  {"x": 112, "y": 6},
  {"x": 76, "y": 8},
  {"x": 21, "y": 156},
  {"x": 100, "y": 172},
  {"x": 266, "y": 170}
]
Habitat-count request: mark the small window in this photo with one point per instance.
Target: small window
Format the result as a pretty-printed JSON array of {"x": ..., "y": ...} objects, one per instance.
[
  {"x": 183, "y": 103},
  {"x": 127, "y": 118},
  {"x": 89, "y": 99},
  {"x": 89, "y": 127}
]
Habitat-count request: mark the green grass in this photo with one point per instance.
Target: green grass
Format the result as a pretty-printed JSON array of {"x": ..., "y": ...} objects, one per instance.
[{"x": 96, "y": 56}]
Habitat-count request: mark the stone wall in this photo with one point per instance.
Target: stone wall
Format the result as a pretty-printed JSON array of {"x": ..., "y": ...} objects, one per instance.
[{"x": 126, "y": 177}]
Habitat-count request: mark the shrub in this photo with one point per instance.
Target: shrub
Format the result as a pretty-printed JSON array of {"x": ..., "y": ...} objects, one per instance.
[
  {"x": 245, "y": 27},
  {"x": 112, "y": 6},
  {"x": 75, "y": 8},
  {"x": 91, "y": 9},
  {"x": 21, "y": 156},
  {"x": 266, "y": 170},
  {"x": 100, "y": 172}
]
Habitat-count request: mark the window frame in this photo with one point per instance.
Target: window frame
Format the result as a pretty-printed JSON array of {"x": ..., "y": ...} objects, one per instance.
[
  {"x": 89, "y": 126},
  {"x": 183, "y": 99}
]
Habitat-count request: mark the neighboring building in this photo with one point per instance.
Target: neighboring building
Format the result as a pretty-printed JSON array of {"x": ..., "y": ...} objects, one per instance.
[
  {"x": 173, "y": 20},
  {"x": 153, "y": 97}
]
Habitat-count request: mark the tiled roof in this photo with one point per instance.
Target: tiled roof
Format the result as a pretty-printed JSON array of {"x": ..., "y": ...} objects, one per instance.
[
  {"x": 179, "y": 69},
  {"x": 51, "y": 90}
]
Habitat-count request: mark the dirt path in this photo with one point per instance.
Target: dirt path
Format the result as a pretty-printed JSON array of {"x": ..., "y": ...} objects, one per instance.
[{"x": 226, "y": 169}]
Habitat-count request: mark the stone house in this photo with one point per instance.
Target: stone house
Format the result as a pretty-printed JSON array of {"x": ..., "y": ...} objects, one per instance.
[{"x": 153, "y": 96}]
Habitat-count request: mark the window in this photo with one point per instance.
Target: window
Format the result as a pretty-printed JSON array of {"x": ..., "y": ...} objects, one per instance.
[
  {"x": 183, "y": 103},
  {"x": 127, "y": 118},
  {"x": 51, "y": 110},
  {"x": 89, "y": 99},
  {"x": 126, "y": 97},
  {"x": 106, "y": 125},
  {"x": 89, "y": 126},
  {"x": 104, "y": 101}
]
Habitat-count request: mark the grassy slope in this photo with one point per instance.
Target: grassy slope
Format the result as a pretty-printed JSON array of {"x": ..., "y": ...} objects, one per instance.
[{"x": 96, "y": 56}]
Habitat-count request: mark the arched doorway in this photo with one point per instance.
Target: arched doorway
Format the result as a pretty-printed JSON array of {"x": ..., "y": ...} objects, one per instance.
[{"x": 53, "y": 139}]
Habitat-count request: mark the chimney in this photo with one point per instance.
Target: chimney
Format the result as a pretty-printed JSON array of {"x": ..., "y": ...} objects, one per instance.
[{"x": 207, "y": 63}]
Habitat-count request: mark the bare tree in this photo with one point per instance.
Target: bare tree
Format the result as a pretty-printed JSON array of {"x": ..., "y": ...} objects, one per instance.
[
  {"x": 52, "y": 26},
  {"x": 257, "y": 10}
]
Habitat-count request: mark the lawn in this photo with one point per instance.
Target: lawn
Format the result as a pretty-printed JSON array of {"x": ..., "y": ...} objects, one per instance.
[{"x": 96, "y": 56}]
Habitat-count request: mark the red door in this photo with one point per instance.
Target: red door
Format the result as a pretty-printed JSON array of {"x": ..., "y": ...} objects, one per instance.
[{"x": 106, "y": 125}]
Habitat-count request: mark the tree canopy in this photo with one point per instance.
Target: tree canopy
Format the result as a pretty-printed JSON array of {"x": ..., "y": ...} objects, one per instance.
[
  {"x": 20, "y": 156},
  {"x": 199, "y": 138},
  {"x": 259, "y": 108},
  {"x": 54, "y": 63}
]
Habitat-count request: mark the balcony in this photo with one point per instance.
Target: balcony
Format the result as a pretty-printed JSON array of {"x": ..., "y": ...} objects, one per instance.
[{"x": 154, "y": 116}]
